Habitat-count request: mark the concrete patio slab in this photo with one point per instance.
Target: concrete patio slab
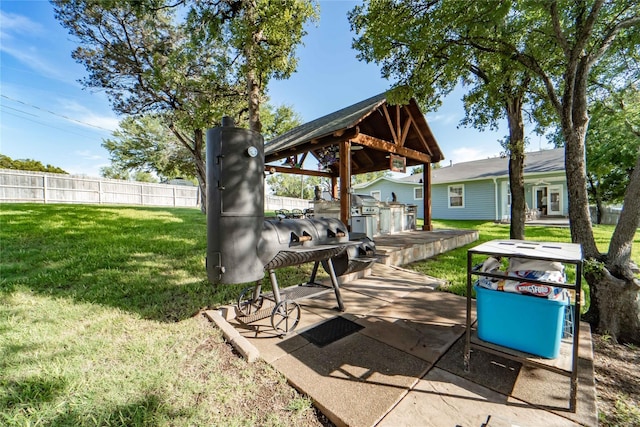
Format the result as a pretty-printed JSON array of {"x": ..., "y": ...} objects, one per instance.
[
  {"x": 428, "y": 341},
  {"x": 549, "y": 390},
  {"x": 426, "y": 306},
  {"x": 385, "y": 375},
  {"x": 444, "y": 399},
  {"x": 354, "y": 302},
  {"x": 538, "y": 387},
  {"x": 379, "y": 286},
  {"x": 354, "y": 381},
  {"x": 272, "y": 345}
]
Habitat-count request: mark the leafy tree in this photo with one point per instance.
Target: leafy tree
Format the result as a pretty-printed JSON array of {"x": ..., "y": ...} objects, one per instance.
[
  {"x": 184, "y": 60},
  {"x": 368, "y": 177},
  {"x": 429, "y": 49},
  {"x": 278, "y": 120},
  {"x": 7, "y": 162},
  {"x": 565, "y": 45},
  {"x": 113, "y": 172},
  {"x": 416, "y": 170},
  {"x": 291, "y": 185},
  {"x": 145, "y": 144},
  {"x": 612, "y": 147},
  {"x": 261, "y": 36}
]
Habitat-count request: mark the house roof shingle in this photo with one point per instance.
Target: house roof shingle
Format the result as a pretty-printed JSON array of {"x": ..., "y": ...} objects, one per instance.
[{"x": 534, "y": 162}]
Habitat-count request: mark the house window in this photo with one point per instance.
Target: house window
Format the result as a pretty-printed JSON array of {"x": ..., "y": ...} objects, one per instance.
[
  {"x": 456, "y": 196},
  {"x": 376, "y": 195},
  {"x": 417, "y": 193}
]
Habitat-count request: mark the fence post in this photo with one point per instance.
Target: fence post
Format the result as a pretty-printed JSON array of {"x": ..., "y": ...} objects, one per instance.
[{"x": 44, "y": 188}]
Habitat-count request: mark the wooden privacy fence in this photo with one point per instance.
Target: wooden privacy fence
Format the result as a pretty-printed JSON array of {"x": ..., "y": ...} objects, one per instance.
[{"x": 41, "y": 187}]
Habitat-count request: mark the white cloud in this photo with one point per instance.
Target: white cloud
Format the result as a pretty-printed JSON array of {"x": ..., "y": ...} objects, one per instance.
[
  {"x": 30, "y": 57},
  {"x": 441, "y": 118},
  {"x": 84, "y": 116},
  {"x": 104, "y": 122},
  {"x": 88, "y": 155},
  {"x": 22, "y": 39},
  {"x": 13, "y": 23}
]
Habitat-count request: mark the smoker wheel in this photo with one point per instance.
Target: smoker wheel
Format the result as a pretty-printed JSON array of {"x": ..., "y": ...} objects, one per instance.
[
  {"x": 285, "y": 316},
  {"x": 246, "y": 304}
]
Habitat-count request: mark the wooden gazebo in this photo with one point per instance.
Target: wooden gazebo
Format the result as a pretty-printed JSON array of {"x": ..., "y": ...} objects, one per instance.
[{"x": 369, "y": 136}]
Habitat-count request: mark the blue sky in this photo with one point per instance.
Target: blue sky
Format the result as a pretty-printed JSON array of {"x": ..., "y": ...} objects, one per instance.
[{"x": 46, "y": 115}]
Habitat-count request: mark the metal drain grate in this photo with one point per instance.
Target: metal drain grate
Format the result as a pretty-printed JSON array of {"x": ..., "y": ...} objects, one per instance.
[{"x": 331, "y": 331}]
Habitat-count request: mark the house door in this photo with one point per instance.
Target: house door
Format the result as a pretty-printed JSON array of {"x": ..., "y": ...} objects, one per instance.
[
  {"x": 541, "y": 201},
  {"x": 555, "y": 201}
]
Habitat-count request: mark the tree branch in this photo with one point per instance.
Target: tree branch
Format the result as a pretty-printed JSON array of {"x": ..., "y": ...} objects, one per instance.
[
  {"x": 557, "y": 29},
  {"x": 610, "y": 37}
]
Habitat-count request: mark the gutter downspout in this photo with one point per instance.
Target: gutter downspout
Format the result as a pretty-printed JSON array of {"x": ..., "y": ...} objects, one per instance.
[{"x": 495, "y": 188}]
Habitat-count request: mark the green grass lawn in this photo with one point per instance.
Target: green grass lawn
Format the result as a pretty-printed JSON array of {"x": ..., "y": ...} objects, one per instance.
[{"x": 100, "y": 324}]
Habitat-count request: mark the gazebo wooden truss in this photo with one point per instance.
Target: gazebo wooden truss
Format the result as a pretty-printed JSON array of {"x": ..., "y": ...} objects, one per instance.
[{"x": 364, "y": 137}]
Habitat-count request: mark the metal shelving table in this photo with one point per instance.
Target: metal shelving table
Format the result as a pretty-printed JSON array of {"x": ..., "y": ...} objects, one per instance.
[{"x": 565, "y": 253}]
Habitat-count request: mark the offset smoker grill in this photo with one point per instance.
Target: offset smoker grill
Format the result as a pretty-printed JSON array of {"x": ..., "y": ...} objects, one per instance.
[{"x": 242, "y": 245}]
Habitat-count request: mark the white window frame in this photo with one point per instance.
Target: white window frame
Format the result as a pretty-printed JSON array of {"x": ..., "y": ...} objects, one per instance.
[
  {"x": 461, "y": 186},
  {"x": 376, "y": 194},
  {"x": 421, "y": 193}
]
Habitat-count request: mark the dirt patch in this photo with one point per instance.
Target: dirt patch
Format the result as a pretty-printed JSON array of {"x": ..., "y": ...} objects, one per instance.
[
  {"x": 236, "y": 392},
  {"x": 617, "y": 374}
]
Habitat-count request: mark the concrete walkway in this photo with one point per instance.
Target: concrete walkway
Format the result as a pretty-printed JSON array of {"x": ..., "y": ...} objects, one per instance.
[{"x": 404, "y": 366}]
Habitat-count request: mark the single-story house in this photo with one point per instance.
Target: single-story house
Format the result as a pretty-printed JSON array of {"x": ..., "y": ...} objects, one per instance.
[{"x": 480, "y": 189}]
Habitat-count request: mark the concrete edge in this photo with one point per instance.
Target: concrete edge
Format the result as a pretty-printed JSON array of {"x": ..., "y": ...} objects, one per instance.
[{"x": 240, "y": 343}]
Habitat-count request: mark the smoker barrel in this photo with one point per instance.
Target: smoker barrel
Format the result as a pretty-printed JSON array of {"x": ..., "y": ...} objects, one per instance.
[
  {"x": 356, "y": 257},
  {"x": 289, "y": 242}
]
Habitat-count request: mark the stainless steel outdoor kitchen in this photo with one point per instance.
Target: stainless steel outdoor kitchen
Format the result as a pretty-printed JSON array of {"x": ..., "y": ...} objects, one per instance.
[{"x": 370, "y": 216}]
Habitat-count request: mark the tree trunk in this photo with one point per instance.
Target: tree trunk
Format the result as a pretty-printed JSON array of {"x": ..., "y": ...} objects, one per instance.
[
  {"x": 197, "y": 151},
  {"x": 253, "y": 83},
  {"x": 623, "y": 319},
  {"x": 579, "y": 216},
  {"x": 516, "y": 168},
  {"x": 254, "y": 102},
  {"x": 615, "y": 292},
  {"x": 615, "y": 306},
  {"x": 201, "y": 168}
]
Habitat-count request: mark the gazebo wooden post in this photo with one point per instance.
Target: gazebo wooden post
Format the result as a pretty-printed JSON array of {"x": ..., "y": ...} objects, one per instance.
[
  {"x": 345, "y": 182},
  {"x": 426, "y": 196},
  {"x": 334, "y": 187}
]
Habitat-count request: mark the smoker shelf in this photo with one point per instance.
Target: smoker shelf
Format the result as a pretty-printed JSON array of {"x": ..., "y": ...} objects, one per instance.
[{"x": 297, "y": 292}]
